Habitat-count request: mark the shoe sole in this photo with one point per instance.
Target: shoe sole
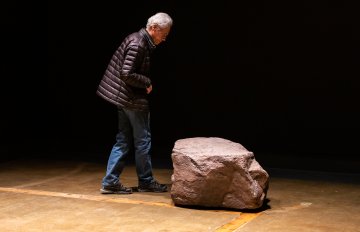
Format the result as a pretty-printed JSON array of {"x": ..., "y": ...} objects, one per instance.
[
  {"x": 153, "y": 191},
  {"x": 104, "y": 191}
]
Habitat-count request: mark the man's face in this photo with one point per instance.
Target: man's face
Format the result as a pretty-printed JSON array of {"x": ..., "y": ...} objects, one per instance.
[{"x": 160, "y": 34}]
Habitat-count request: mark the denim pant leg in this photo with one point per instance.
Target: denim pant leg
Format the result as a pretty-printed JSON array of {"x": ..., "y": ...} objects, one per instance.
[
  {"x": 120, "y": 150},
  {"x": 140, "y": 122}
]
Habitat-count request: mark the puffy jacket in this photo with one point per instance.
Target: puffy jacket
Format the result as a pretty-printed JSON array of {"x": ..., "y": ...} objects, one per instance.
[{"x": 127, "y": 75}]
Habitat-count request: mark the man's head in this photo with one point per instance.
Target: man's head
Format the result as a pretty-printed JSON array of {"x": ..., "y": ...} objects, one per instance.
[{"x": 159, "y": 26}]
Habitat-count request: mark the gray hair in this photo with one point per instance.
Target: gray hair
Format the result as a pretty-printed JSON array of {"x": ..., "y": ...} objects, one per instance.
[{"x": 160, "y": 19}]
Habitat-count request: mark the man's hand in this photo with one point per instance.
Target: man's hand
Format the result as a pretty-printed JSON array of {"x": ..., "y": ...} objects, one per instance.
[{"x": 149, "y": 89}]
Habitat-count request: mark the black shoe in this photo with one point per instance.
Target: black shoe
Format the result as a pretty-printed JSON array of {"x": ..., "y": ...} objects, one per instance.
[
  {"x": 117, "y": 189},
  {"x": 153, "y": 187}
]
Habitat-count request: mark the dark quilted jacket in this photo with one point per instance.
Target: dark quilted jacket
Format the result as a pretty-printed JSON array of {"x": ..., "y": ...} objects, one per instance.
[{"x": 127, "y": 75}]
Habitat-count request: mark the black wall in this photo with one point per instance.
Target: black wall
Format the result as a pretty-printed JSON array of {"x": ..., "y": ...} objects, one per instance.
[{"x": 280, "y": 78}]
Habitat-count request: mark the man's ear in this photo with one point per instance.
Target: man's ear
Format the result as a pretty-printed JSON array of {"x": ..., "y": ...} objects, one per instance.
[{"x": 155, "y": 27}]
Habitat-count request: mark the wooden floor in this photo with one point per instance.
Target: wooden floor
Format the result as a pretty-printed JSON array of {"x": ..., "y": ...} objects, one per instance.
[{"x": 38, "y": 195}]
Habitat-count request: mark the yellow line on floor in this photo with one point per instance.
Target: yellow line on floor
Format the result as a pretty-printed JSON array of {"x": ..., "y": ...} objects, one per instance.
[
  {"x": 238, "y": 222},
  {"x": 231, "y": 226},
  {"x": 101, "y": 198}
]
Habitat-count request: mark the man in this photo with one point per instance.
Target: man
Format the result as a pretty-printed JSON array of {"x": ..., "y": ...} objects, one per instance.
[{"x": 126, "y": 84}]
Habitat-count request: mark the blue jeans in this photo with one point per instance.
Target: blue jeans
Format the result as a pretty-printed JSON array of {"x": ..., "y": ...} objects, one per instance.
[{"x": 134, "y": 129}]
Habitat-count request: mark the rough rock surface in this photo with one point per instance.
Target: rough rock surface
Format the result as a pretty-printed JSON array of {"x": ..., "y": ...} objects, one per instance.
[{"x": 215, "y": 172}]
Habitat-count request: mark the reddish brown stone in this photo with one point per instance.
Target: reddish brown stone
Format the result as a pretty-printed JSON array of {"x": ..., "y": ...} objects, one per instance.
[{"x": 216, "y": 172}]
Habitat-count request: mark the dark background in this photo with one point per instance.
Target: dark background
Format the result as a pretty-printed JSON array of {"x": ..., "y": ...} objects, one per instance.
[{"x": 281, "y": 78}]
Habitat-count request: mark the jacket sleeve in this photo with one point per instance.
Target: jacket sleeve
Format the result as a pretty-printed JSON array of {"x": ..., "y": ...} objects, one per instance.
[{"x": 133, "y": 60}]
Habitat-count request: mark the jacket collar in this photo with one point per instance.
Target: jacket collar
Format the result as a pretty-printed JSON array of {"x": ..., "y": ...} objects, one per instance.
[{"x": 144, "y": 33}]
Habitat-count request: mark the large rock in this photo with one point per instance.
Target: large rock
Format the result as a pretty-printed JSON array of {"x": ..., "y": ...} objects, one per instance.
[{"x": 216, "y": 172}]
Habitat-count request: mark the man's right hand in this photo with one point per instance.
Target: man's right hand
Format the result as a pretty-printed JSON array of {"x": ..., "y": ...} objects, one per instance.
[{"x": 149, "y": 89}]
